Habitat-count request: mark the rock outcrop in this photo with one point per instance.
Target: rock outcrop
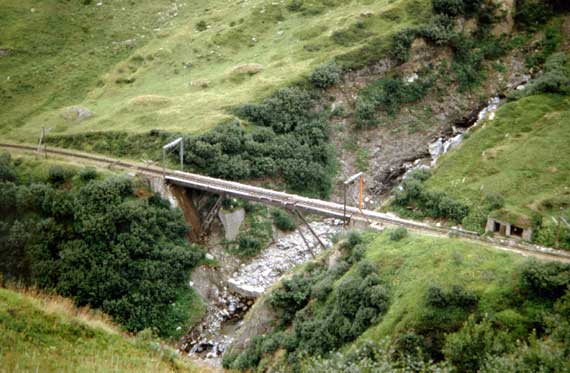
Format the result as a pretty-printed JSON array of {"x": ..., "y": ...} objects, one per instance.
[{"x": 76, "y": 114}]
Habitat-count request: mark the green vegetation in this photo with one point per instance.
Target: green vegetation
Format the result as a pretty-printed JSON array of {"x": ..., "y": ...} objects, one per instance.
[
  {"x": 555, "y": 79},
  {"x": 346, "y": 310},
  {"x": 421, "y": 299},
  {"x": 533, "y": 14},
  {"x": 519, "y": 145},
  {"x": 283, "y": 221},
  {"x": 326, "y": 75},
  {"x": 413, "y": 200},
  {"x": 256, "y": 232},
  {"x": 107, "y": 243},
  {"x": 389, "y": 95},
  {"x": 171, "y": 66},
  {"x": 295, "y": 148},
  {"x": 468, "y": 68},
  {"x": 40, "y": 332}
]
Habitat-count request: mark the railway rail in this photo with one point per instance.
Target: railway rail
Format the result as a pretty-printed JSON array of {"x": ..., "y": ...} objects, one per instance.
[{"x": 292, "y": 201}]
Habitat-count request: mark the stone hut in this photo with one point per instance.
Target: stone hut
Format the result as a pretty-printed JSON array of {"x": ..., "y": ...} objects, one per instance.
[{"x": 510, "y": 225}]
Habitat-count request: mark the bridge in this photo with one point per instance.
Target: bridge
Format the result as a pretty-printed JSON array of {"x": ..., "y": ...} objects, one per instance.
[{"x": 291, "y": 201}]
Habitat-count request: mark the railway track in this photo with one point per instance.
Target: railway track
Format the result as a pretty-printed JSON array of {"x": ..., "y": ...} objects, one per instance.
[{"x": 292, "y": 201}]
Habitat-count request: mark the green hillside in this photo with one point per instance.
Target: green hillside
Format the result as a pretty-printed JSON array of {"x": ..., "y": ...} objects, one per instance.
[
  {"x": 43, "y": 333},
  {"x": 417, "y": 301},
  {"x": 520, "y": 156},
  {"x": 173, "y": 65}
]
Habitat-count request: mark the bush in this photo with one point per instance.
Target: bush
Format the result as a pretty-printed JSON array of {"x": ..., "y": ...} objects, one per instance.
[
  {"x": 547, "y": 280},
  {"x": 413, "y": 195},
  {"x": 302, "y": 157},
  {"x": 326, "y": 75},
  {"x": 468, "y": 348},
  {"x": 451, "y": 8},
  {"x": 372, "y": 357},
  {"x": 201, "y": 26},
  {"x": 354, "y": 238},
  {"x": 283, "y": 111},
  {"x": 532, "y": 14},
  {"x": 249, "y": 245},
  {"x": 57, "y": 175},
  {"x": 555, "y": 79},
  {"x": 401, "y": 44},
  {"x": 88, "y": 174},
  {"x": 271, "y": 343},
  {"x": 295, "y": 5},
  {"x": 283, "y": 220},
  {"x": 7, "y": 171},
  {"x": 103, "y": 247},
  {"x": 290, "y": 297},
  {"x": 322, "y": 288},
  {"x": 436, "y": 297},
  {"x": 398, "y": 234},
  {"x": 458, "y": 297},
  {"x": 387, "y": 94}
]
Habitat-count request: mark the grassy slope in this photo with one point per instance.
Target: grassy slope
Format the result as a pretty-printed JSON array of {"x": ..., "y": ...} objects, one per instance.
[
  {"x": 413, "y": 264},
  {"x": 66, "y": 53},
  {"x": 522, "y": 155},
  {"x": 49, "y": 334}
]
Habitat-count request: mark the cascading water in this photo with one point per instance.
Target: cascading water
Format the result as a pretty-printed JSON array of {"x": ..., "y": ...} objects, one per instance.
[{"x": 441, "y": 146}]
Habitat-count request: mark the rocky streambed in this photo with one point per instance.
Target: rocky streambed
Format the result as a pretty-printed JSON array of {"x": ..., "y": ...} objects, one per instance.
[
  {"x": 230, "y": 294},
  {"x": 444, "y": 145}
]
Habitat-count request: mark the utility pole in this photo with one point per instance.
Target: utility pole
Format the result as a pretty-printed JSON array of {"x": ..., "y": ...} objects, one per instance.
[
  {"x": 43, "y": 134},
  {"x": 169, "y": 146},
  {"x": 348, "y": 182}
]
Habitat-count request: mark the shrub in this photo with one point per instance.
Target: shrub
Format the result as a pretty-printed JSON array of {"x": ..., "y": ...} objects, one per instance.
[
  {"x": 282, "y": 111},
  {"x": 283, "y": 220},
  {"x": 435, "y": 204},
  {"x": 401, "y": 44},
  {"x": 555, "y": 79},
  {"x": 7, "y": 171},
  {"x": 105, "y": 248},
  {"x": 458, "y": 297},
  {"x": 387, "y": 94},
  {"x": 436, "y": 297},
  {"x": 467, "y": 349},
  {"x": 302, "y": 156},
  {"x": 326, "y": 75},
  {"x": 228, "y": 359},
  {"x": 532, "y": 14},
  {"x": 365, "y": 113},
  {"x": 58, "y": 175},
  {"x": 398, "y": 234},
  {"x": 201, "y": 26},
  {"x": 372, "y": 357},
  {"x": 448, "y": 7},
  {"x": 354, "y": 238},
  {"x": 295, "y": 5},
  {"x": 476, "y": 220},
  {"x": 249, "y": 245},
  {"x": 290, "y": 297},
  {"x": 322, "y": 288},
  {"x": 88, "y": 174},
  {"x": 545, "y": 280},
  {"x": 271, "y": 343},
  {"x": 409, "y": 343}
]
